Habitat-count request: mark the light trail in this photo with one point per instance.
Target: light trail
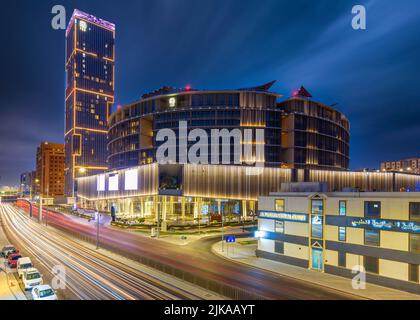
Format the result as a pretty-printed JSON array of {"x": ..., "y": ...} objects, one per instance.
[{"x": 90, "y": 275}]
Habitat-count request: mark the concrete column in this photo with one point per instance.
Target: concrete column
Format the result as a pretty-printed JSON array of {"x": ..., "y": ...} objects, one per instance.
[{"x": 244, "y": 208}]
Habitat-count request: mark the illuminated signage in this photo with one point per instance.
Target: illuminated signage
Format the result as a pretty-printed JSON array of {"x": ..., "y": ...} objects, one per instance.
[
  {"x": 100, "y": 182},
  {"x": 113, "y": 182},
  {"x": 289, "y": 216},
  {"x": 131, "y": 180},
  {"x": 172, "y": 102},
  {"x": 390, "y": 225}
]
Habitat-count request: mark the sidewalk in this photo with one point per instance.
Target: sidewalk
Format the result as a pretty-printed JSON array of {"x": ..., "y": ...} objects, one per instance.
[
  {"x": 9, "y": 286},
  {"x": 245, "y": 253}
]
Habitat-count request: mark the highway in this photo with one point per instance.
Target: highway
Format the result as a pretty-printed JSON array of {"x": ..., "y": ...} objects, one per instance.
[
  {"x": 90, "y": 275},
  {"x": 198, "y": 260}
]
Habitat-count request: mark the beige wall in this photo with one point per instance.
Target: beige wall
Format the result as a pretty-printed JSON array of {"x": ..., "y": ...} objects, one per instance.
[
  {"x": 331, "y": 257},
  {"x": 394, "y": 240},
  {"x": 296, "y": 251},
  {"x": 353, "y": 260},
  {"x": 355, "y": 236},
  {"x": 331, "y": 233},
  {"x": 393, "y": 269},
  {"x": 266, "y": 245},
  {"x": 296, "y": 228}
]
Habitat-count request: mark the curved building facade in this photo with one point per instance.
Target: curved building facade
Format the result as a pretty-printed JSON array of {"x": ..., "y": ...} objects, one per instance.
[
  {"x": 297, "y": 133},
  {"x": 315, "y": 135}
]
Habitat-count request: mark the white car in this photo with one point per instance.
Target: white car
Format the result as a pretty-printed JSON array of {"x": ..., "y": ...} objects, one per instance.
[
  {"x": 22, "y": 265},
  {"x": 44, "y": 292},
  {"x": 8, "y": 249},
  {"x": 31, "y": 278}
]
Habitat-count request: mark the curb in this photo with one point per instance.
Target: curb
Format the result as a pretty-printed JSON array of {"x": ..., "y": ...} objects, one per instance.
[{"x": 215, "y": 252}]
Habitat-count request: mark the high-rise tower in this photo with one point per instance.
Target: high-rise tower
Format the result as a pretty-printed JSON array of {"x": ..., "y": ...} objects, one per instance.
[{"x": 90, "y": 68}]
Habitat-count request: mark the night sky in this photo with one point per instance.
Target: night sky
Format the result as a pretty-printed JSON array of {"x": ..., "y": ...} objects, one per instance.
[{"x": 373, "y": 75}]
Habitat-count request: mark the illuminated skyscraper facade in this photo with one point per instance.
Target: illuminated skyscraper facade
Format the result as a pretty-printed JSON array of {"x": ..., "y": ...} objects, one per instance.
[{"x": 90, "y": 68}]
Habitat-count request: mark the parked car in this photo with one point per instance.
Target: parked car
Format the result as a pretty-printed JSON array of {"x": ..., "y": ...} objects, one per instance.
[
  {"x": 31, "y": 278},
  {"x": 23, "y": 264},
  {"x": 13, "y": 259},
  {"x": 8, "y": 249},
  {"x": 43, "y": 292}
]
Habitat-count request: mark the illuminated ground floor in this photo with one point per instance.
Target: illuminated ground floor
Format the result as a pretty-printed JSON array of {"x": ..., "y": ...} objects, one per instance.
[{"x": 175, "y": 209}]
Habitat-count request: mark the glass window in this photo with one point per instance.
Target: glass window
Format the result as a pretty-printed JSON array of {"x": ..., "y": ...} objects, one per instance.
[
  {"x": 413, "y": 272},
  {"x": 372, "y": 209},
  {"x": 371, "y": 264},
  {"x": 279, "y": 227},
  {"x": 279, "y": 247},
  {"x": 415, "y": 211},
  {"x": 317, "y": 227},
  {"x": 341, "y": 259},
  {"x": 317, "y": 207},
  {"x": 342, "y": 207},
  {"x": 342, "y": 233},
  {"x": 317, "y": 217},
  {"x": 372, "y": 237},
  {"x": 280, "y": 205},
  {"x": 414, "y": 243}
]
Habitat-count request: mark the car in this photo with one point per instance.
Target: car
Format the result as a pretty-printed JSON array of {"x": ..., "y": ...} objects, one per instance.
[
  {"x": 43, "y": 292},
  {"x": 31, "y": 278},
  {"x": 8, "y": 249},
  {"x": 13, "y": 259},
  {"x": 23, "y": 264}
]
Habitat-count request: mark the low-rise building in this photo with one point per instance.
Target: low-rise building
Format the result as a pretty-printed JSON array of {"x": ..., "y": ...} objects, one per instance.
[
  {"x": 50, "y": 170},
  {"x": 340, "y": 232},
  {"x": 411, "y": 165}
]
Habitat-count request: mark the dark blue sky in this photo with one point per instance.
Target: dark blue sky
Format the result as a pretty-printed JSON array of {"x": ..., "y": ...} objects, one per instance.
[{"x": 373, "y": 75}]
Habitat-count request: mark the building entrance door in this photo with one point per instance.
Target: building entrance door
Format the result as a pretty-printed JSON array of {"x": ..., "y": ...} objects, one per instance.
[{"x": 317, "y": 259}]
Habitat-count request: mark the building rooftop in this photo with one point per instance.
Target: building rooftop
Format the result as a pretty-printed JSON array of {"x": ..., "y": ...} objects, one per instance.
[{"x": 86, "y": 16}]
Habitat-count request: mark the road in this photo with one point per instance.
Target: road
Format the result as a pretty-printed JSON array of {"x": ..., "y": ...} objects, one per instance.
[
  {"x": 198, "y": 260},
  {"x": 89, "y": 275}
]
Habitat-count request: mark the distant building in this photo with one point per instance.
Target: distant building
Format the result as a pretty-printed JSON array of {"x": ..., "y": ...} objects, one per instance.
[
  {"x": 27, "y": 182},
  {"x": 90, "y": 61},
  {"x": 411, "y": 165},
  {"x": 50, "y": 170}
]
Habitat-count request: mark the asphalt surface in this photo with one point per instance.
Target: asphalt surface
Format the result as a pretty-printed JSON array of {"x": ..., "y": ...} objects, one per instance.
[
  {"x": 198, "y": 260},
  {"x": 89, "y": 275}
]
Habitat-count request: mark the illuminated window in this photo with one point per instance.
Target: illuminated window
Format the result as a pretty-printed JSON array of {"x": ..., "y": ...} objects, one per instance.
[
  {"x": 172, "y": 102},
  {"x": 280, "y": 205},
  {"x": 113, "y": 182},
  {"x": 100, "y": 183},
  {"x": 131, "y": 180}
]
